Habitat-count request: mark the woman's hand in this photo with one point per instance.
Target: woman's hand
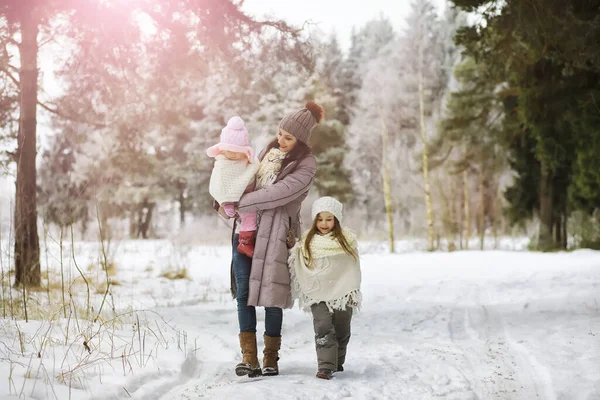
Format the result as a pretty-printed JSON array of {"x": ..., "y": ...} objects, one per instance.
[{"x": 282, "y": 192}]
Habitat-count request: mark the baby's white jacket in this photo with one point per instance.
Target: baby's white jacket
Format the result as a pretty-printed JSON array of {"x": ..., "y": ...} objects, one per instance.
[{"x": 230, "y": 178}]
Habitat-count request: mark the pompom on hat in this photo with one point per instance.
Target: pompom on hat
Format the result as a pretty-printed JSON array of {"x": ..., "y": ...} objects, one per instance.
[
  {"x": 234, "y": 137},
  {"x": 327, "y": 204},
  {"x": 301, "y": 123}
]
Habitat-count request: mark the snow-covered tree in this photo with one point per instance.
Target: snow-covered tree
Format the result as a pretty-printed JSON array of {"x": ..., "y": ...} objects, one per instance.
[
  {"x": 63, "y": 198},
  {"x": 423, "y": 47},
  {"x": 365, "y": 46}
]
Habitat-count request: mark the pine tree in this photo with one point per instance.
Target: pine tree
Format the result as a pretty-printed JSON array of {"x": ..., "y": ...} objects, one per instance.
[
  {"x": 328, "y": 141},
  {"x": 469, "y": 139},
  {"x": 542, "y": 50}
]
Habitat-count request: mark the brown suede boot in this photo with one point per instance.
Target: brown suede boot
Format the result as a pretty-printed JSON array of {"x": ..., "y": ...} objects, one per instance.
[
  {"x": 249, "y": 365},
  {"x": 246, "y": 245},
  {"x": 271, "y": 355}
]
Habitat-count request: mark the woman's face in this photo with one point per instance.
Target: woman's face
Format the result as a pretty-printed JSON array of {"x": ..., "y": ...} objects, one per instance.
[{"x": 286, "y": 141}]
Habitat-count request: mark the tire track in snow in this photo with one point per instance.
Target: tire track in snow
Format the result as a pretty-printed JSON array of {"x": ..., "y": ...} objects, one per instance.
[
  {"x": 512, "y": 372},
  {"x": 494, "y": 368},
  {"x": 541, "y": 371}
]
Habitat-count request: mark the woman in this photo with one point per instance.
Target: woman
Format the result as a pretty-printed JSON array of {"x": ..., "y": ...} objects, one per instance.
[{"x": 285, "y": 175}]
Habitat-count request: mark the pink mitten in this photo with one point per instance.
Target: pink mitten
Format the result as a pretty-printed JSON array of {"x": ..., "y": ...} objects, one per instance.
[{"x": 229, "y": 209}]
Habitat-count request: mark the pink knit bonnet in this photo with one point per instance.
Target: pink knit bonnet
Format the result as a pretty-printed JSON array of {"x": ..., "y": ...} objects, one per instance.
[{"x": 234, "y": 137}]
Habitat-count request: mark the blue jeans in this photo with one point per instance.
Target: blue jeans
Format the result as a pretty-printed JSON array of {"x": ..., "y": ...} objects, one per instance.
[{"x": 246, "y": 313}]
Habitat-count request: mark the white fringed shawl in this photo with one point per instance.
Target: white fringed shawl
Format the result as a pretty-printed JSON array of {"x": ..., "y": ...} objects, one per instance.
[{"x": 334, "y": 276}]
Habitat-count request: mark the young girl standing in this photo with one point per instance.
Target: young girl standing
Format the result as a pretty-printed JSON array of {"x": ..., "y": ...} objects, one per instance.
[{"x": 326, "y": 277}]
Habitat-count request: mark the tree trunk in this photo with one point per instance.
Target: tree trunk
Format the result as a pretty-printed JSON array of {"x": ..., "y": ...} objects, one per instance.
[
  {"x": 144, "y": 218},
  {"x": 545, "y": 237},
  {"x": 181, "y": 208},
  {"x": 84, "y": 223},
  {"x": 105, "y": 229},
  {"x": 495, "y": 217},
  {"x": 482, "y": 209},
  {"x": 133, "y": 225},
  {"x": 460, "y": 217},
  {"x": 447, "y": 217},
  {"x": 561, "y": 218},
  {"x": 428, "y": 206},
  {"x": 467, "y": 213},
  {"x": 557, "y": 229},
  {"x": 453, "y": 212},
  {"x": 565, "y": 242},
  {"x": 560, "y": 227},
  {"x": 367, "y": 206},
  {"x": 387, "y": 192},
  {"x": 27, "y": 247},
  {"x": 181, "y": 199}
]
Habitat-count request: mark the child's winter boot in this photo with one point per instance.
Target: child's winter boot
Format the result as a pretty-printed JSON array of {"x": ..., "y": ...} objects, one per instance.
[{"x": 325, "y": 374}]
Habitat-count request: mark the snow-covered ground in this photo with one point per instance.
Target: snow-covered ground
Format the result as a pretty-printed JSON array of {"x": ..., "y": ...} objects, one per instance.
[{"x": 461, "y": 326}]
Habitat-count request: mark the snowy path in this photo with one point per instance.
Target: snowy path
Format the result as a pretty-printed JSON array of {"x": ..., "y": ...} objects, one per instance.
[{"x": 461, "y": 326}]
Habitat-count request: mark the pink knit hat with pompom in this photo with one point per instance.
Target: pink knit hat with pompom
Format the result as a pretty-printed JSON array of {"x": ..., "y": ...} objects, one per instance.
[{"x": 234, "y": 137}]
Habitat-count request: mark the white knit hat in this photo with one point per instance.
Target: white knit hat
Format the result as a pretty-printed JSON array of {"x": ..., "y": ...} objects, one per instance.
[{"x": 328, "y": 204}]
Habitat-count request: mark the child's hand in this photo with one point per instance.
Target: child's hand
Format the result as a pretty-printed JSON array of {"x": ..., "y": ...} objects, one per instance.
[
  {"x": 221, "y": 212},
  {"x": 229, "y": 210}
]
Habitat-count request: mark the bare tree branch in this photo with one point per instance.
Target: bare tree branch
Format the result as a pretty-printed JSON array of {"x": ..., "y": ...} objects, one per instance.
[
  {"x": 61, "y": 114},
  {"x": 11, "y": 77}
]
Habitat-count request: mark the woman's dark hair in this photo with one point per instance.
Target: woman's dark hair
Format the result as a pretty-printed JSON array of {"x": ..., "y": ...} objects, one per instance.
[{"x": 299, "y": 152}]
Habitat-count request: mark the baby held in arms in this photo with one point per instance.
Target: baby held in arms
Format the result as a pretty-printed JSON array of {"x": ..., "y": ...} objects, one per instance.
[{"x": 233, "y": 175}]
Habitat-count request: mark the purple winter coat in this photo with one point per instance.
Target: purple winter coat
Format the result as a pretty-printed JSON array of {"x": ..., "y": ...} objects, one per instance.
[{"x": 277, "y": 203}]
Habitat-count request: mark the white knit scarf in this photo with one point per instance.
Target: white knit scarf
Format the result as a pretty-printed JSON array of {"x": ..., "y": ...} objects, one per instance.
[
  {"x": 333, "y": 277},
  {"x": 328, "y": 245}
]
